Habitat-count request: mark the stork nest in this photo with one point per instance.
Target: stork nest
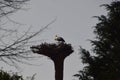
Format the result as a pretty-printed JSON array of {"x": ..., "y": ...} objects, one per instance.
[{"x": 53, "y": 50}]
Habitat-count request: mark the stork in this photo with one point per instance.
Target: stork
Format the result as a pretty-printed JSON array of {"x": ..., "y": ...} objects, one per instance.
[{"x": 59, "y": 39}]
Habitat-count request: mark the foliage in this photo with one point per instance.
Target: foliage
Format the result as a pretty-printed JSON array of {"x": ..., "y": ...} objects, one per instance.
[
  {"x": 105, "y": 64},
  {"x": 7, "y": 76},
  {"x": 4, "y": 75}
]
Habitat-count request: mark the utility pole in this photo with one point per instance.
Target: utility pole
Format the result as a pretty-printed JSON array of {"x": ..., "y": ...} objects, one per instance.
[{"x": 57, "y": 52}]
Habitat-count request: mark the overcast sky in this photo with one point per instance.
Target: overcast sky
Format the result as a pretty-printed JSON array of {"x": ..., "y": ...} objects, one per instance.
[{"x": 74, "y": 22}]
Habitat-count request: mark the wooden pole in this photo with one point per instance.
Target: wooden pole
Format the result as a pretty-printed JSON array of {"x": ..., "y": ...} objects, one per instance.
[{"x": 59, "y": 68}]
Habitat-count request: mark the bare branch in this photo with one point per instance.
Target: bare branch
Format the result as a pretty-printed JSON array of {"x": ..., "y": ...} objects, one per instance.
[
  {"x": 19, "y": 48},
  {"x": 14, "y": 44},
  {"x": 10, "y": 6}
]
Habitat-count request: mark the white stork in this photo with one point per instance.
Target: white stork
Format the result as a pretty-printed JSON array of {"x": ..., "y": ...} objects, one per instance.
[{"x": 59, "y": 39}]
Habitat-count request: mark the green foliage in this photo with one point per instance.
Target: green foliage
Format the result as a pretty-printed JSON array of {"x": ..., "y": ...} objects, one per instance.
[{"x": 105, "y": 64}]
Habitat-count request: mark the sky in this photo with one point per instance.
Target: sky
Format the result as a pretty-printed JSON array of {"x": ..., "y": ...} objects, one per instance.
[{"x": 74, "y": 22}]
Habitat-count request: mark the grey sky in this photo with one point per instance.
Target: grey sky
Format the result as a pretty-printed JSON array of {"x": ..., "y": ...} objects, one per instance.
[{"x": 74, "y": 23}]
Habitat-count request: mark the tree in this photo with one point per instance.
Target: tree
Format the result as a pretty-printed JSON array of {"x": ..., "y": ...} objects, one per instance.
[
  {"x": 57, "y": 53},
  {"x": 104, "y": 64},
  {"x": 4, "y": 75},
  {"x": 10, "y": 6},
  {"x": 7, "y": 76},
  {"x": 13, "y": 43}
]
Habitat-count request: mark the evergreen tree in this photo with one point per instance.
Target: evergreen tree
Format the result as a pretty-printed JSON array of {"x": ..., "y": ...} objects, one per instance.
[
  {"x": 7, "y": 76},
  {"x": 104, "y": 63},
  {"x": 4, "y": 75}
]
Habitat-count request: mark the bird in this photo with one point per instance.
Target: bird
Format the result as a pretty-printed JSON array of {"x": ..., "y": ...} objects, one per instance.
[{"x": 59, "y": 39}]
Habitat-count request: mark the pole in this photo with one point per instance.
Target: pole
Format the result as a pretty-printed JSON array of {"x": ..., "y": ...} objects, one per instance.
[{"x": 59, "y": 68}]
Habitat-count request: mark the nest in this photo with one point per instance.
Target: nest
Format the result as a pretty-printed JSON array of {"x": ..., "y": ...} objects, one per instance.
[{"x": 53, "y": 50}]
